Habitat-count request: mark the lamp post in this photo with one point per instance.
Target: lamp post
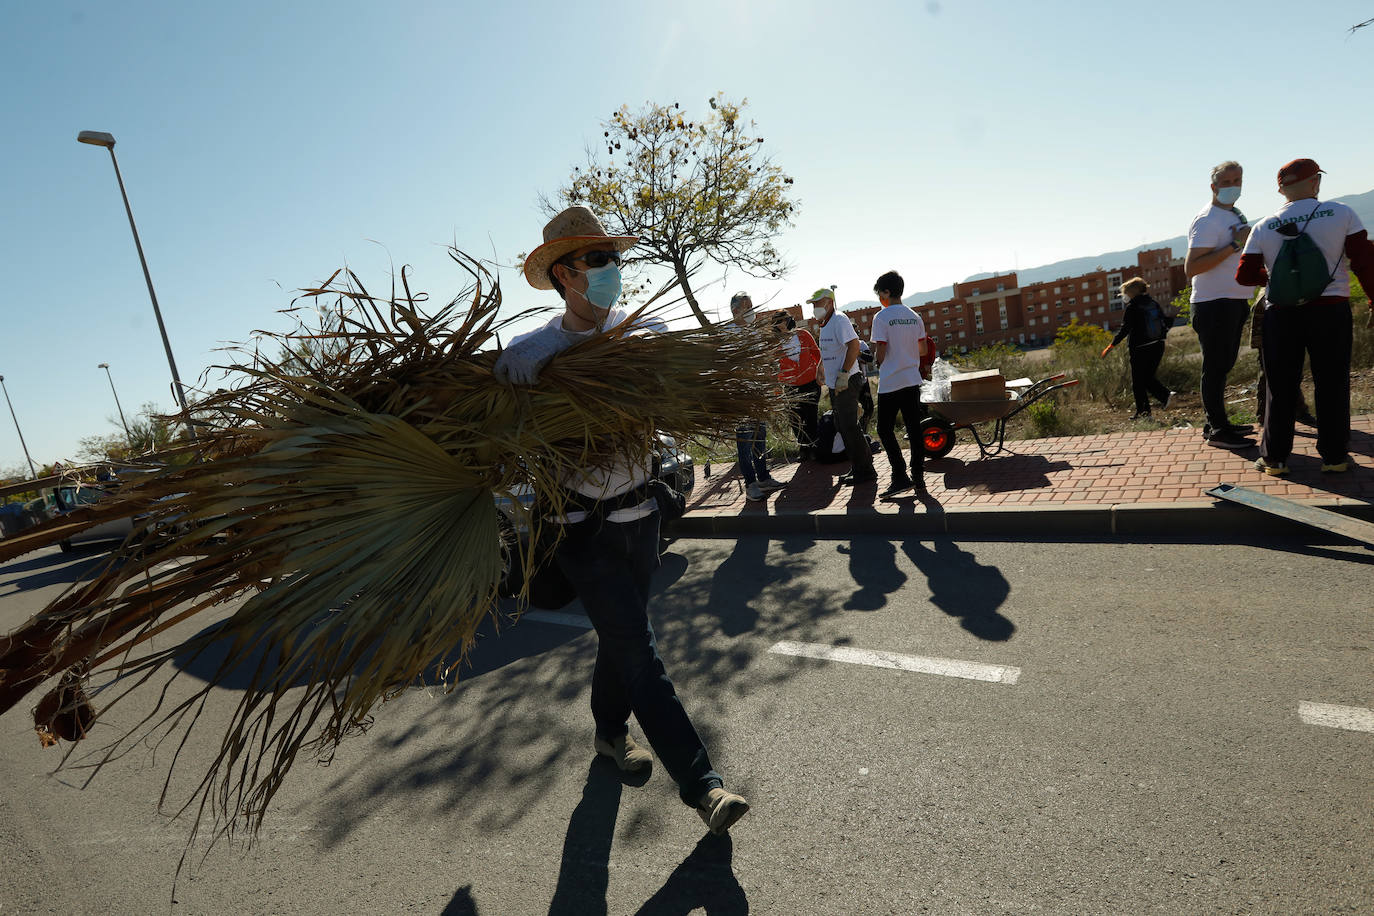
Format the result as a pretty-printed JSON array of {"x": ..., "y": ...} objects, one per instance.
[
  {"x": 127, "y": 435},
  {"x": 101, "y": 138},
  {"x": 22, "y": 443}
]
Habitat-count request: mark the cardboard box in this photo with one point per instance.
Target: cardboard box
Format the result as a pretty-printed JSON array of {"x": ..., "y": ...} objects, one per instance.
[{"x": 989, "y": 385}]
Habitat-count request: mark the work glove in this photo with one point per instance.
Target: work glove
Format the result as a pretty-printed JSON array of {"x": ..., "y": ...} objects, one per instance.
[
  {"x": 521, "y": 362},
  {"x": 1108, "y": 349}
]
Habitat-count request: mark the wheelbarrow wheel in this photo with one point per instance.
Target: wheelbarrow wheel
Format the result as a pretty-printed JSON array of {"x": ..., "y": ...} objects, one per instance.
[{"x": 937, "y": 437}]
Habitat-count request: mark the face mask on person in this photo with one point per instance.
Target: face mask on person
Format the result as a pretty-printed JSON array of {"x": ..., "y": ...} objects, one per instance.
[
  {"x": 1228, "y": 196},
  {"x": 819, "y": 312},
  {"x": 603, "y": 286},
  {"x": 747, "y": 316}
]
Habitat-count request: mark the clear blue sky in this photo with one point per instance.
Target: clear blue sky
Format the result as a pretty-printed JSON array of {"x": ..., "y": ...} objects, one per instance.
[{"x": 265, "y": 144}]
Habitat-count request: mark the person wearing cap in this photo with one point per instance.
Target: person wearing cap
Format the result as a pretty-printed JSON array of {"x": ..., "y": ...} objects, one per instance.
[
  {"x": 751, "y": 437},
  {"x": 1219, "y": 304},
  {"x": 899, "y": 343},
  {"x": 1320, "y": 328},
  {"x": 609, "y": 551},
  {"x": 840, "y": 363},
  {"x": 800, "y": 362}
]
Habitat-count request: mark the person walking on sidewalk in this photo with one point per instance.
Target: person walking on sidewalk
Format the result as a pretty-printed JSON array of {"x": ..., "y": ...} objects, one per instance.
[
  {"x": 840, "y": 362},
  {"x": 1219, "y": 303},
  {"x": 899, "y": 342},
  {"x": 609, "y": 549},
  {"x": 800, "y": 360},
  {"x": 751, "y": 436},
  {"x": 1145, "y": 328},
  {"x": 1321, "y": 241}
]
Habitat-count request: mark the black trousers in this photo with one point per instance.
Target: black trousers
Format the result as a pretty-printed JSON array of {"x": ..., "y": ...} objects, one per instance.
[
  {"x": 907, "y": 402},
  {"x": 1322, "y": 332},
  {"x": 1144, "y": 363},
  {"x": 1218, "y": 324},
  {"x": 804, "y": 401}
]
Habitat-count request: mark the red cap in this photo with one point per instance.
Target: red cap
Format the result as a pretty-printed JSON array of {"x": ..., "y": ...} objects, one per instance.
[{"x": 1298, "y": 170}]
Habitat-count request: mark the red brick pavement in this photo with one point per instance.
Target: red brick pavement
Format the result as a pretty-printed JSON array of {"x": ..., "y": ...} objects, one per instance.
[{"x": 1146, "y": 468}]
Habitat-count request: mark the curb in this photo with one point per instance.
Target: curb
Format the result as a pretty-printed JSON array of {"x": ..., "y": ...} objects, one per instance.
[{"x": 1194, "y": 518}]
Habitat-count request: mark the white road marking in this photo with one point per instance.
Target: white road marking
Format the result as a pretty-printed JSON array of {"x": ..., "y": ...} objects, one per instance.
[
  {"x": 558, "y": 617},
  {"x": 945, "y": 667},
  {"x": 1353, "y": 718}
]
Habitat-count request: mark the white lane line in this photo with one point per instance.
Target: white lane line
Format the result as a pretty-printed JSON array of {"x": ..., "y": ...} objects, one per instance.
[
  {"x": 921, "y": 664},
  {"x": 563, "y": 620},
  {"x": 1353, "y": 718}
]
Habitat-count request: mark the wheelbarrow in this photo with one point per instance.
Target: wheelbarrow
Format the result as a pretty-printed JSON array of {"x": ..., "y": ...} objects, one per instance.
[{"x": 943, "y": 418}]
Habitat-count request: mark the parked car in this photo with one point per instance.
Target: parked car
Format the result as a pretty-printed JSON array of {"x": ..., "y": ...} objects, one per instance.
[
  {"x": 70, "y": 497},
  {"x": 671, "y": 464}
]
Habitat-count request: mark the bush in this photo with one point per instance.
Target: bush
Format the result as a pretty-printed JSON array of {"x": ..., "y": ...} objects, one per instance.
[
  {"x": 1004, "y": 357},
  {"x": 1362, "y": 346},
  {"x": 1183, "y": 303},
  {"x": 1050, "y": 418}
]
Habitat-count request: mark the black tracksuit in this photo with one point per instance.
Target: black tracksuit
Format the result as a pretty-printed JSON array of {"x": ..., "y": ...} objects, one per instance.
[{"x": 1146, "y": 353}]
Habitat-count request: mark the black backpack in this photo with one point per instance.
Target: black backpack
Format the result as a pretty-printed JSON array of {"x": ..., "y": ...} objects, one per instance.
[
  {"x": 1152, "y": 316},
  {"x": 1299, "y": 274}
]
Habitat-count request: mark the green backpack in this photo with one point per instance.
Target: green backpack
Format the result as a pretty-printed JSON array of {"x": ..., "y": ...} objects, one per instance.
[{"x": 1299, "y": 274}]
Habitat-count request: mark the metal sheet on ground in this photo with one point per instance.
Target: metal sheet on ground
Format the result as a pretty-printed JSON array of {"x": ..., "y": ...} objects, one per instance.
[{"x": 1315, "y": 516}]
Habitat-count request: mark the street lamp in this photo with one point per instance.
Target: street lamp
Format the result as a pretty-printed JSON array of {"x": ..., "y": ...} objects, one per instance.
[
  {"x": 32, "y": 470},
  {"x": 101, "y": 138},
  {"x": 127, "y": 435}
]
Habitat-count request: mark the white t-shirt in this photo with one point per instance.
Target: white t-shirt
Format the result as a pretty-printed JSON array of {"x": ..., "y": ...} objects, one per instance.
[
  {"x": 902, "y": 330},
  {"x": 834, "y": 342},
  {"x": 620, "y": 475},
  {"x": 1212, "y": 228},
  {"x": 1331, "y": 223}
]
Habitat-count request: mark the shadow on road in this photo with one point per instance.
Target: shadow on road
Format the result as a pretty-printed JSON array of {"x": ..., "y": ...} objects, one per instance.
[
  {"x": 53, "y": 569},
  {"x": 962, "y": 587},
  {"x": 704, "y": 881},
  {"x": 999, "y": 475}
]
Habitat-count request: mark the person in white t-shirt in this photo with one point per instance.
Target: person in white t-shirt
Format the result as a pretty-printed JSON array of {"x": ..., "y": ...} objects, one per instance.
[
  {"x": 1219, "y": 304},
  {"x": 840, "y": 362},
  {"x": 610, "y": 551},
  {"x": 899, "y": 342},
  {"x": 1319, "y": 327}
]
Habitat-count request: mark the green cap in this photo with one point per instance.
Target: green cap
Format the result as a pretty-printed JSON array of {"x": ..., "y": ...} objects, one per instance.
[{"x": 822, "y": 294}]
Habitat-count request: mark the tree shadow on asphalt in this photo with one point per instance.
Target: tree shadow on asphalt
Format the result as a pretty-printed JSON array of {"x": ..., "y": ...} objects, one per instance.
[
  {"x": 962, "y": 587},
  {"x": 52, "y": 569},
  {"x": 489, "y": 754}
]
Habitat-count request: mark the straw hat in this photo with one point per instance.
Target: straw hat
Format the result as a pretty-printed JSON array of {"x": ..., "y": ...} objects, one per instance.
[{"x": 574, "y": 228}]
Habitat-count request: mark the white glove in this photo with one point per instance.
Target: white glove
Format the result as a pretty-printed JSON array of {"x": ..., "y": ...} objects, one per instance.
[{"x": 521, "y": 362}]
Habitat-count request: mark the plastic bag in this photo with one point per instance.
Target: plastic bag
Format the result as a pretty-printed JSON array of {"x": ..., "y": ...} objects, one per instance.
[{"x": 937, "y": 388}]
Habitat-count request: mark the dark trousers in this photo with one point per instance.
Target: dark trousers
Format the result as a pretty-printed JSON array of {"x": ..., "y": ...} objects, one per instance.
[
  {"x": 1144, "y": 363},
  {"x": 751, "y": 441},
  {"x": 845, "y": 404},
  {"x": 610, "y": 567},
  {"x": 1218, "y": 324},
  {"x": 1322, "y": 332},
  {"x": 865, "y": 403},
  {"x": 1262, "y": 393},
  {"x": 804, "y": 401},
  {"x": 907, "y": 402}
]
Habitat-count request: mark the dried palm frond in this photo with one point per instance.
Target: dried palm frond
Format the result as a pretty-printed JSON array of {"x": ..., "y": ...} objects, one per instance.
[{"x": 347, "y": 498}]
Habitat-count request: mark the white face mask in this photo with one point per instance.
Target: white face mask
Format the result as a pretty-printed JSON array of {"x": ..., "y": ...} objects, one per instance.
[
  {"x": 819, "y": 311},
  {"x": 1228, "y": 196}
]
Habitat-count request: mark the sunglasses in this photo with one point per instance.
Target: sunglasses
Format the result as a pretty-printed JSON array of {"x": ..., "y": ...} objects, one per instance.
[{"x": 596, "y": 259}]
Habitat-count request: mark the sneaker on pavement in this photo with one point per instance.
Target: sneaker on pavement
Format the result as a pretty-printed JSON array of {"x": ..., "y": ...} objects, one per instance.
[
  {"x": 627, "y": 755},
  {"x": 1240, "y": 429},
  {"x": 720, "y": 810},
  {"x": 899, "y": 484},
  {"x": 1272, "y": 468},
  {"x": 768, "y": 483},
  {"x": 1227, "y": 439},
  {"x": 1337, "y": 467},
  {"x": 753, "y": 492}
]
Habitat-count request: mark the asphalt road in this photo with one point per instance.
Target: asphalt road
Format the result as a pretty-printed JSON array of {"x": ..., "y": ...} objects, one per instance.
[{"x": 1141, "y": 752}]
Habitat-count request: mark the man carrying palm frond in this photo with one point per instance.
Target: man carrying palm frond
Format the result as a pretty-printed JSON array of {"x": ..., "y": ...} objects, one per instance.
[{"x": 609, "y": 545}]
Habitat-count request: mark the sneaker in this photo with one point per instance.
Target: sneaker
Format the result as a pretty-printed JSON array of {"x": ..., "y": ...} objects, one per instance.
[
  {"x": 768, "y": 483},
  {"x": 899, "y": 484},
  {"x": 855, "y": 480},
  {"x": 627, "y": 755},
  {"x": 720, "y": 810},
  {"x": 1337, "y": 467},
  {"x": 753, "y": 492},
  {"x": 1272, "y": 468},
  {"x": 1141, "y": 415},
  {"x": 1227, "y": 439},
  {"x": 1243, "y": 429}
]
